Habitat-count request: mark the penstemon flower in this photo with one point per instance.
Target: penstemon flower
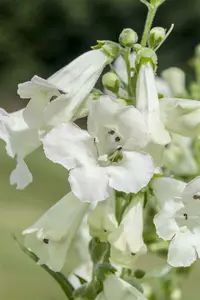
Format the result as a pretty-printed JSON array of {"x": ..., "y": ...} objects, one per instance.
[
  {"x": 108, "y": 156},
  {"x": 178, "y": 219},
  {"x": 127, "y": 241},
  {"x": 52, "y": 235}
]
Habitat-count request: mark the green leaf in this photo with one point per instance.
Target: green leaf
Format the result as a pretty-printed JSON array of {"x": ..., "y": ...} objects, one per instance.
[{"x": 65, "y": 285}]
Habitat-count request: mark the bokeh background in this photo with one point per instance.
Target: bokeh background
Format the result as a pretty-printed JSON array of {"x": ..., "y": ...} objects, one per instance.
[{"x": 39, "y": 37}]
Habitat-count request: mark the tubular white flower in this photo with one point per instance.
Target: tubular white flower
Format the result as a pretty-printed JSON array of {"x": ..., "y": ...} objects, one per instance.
[
  {"x": 181, "y": 116},
  {"x": 126, "y": 241},
  {"x": 102, "y": 219},
  {"x": 103, "y": 159},
  {"x": 69, "y": 86},
  {"x": 118, "y": 289},
  {"x": 178, "y": 156},
  {"x": 147, "y": 102},
  {"x": 51, "y": 236},
  {"x": 20, "y": 141},
  {"x": 179, "y": 221}
]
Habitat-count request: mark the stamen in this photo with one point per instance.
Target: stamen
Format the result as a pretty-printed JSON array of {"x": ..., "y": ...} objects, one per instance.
[
  {"x": 119, "y": 148},
  {"x": 133, "y": 254},
  {"x": 105, "y": 230},
  {"x": 117, "y": 139},
  {"x": 111, "y": 132},
  {"x": 196, "y": 197},
  {"x": 46, "y": 241},
  {"x": 186, "y": 216}
]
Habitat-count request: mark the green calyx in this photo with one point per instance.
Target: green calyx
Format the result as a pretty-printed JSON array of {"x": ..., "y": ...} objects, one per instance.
[
  {"x": 110, "y": 49},
  {"x": 144, "y": 56},
  {"x": 156, "y": 36}
]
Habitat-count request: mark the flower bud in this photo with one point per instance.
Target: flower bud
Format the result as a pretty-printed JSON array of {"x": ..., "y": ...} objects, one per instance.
[
  {"x": 128, "y": 37},
  {"x": 111, "y": 82},
  {"x": 111, "y": 49},
  {"x": 157, "y": 35}
]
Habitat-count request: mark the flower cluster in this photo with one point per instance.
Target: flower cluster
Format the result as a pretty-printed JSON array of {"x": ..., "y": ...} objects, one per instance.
[{"x": 140, "y": 132}]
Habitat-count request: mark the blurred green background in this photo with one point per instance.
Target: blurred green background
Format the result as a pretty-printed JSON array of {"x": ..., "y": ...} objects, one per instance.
[{"x": 39, "y": 37}]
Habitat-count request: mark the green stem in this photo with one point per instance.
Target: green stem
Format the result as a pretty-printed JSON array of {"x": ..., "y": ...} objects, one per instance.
[
  {"x": 128, "y": 70},
  {"x": 151, "y": 14}
]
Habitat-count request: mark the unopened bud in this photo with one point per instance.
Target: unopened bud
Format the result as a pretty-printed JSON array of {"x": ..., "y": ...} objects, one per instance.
[
  {"x": 157, "y": 35},
  {"x": 111, "y": 82},
  {"x": 128, "y": 37}
]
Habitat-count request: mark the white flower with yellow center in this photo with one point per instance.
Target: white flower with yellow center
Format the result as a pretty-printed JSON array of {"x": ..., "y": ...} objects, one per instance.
[
  {"x": 108, "y": 156},
  {"x": 179, "y": 219}
]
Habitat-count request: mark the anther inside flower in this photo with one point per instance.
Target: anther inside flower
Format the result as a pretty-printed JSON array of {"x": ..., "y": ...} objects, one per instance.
[
  {"x": 179, "y": 219},
  {"x": 106, "y": 156}
]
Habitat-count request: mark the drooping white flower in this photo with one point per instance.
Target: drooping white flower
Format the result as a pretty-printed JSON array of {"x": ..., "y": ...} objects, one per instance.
[
  {"x": 115, "y": 288},
  {"x": 67, "y": 89},
  {"x": 105, "y": 157},
  {"x": 127, "y": 240},
  {"x": 20, "y": 141},
  {"x": 51, "y": 236},
  {"x": 179, "y": 219},
  {"x": 102, "y": 220},
  {"x": 178, "y": 156},
  {"x": 147, "y": 102},
  {"x": 181, "y": 116}
]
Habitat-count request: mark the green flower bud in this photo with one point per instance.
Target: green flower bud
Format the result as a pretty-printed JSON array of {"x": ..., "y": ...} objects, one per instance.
[
  {"x": 111, "y": 49},
  {"x": 137, "y": 47},
  {"x": 157, "y": 35},
  {"x": 111, "y": 82},
  {"x": 128, "y": 37}
]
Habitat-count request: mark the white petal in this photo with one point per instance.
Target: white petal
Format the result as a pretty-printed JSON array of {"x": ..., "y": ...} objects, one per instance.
[
  {"x": 182, "y": 252},
  {"x": 89, "y": 183},
  {"x": 58, "y": 226},
  {"x": 181, "y": 115},
  {"x": 163, "y": 87},
  {"x": 106, "y": 113},
  {"x": 166, "y": 188},
  {"x": 77, "y": 79},
  {"x": 164, "y": 221},
  {"x": 102, "y": 220},
  {"x": 117, "y": 289},
  {"x": 147, "y": 102},
  {"x": 69, "y": 146},
  {"x": 132, "y": 173},
  {"x": 191, "y": 189},
  {"x": 175, "y": 78},
  {"x": 21, "y": 176}
]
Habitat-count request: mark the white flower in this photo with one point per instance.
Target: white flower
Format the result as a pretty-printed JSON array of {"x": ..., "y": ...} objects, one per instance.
[
  {"x": 181, "y": 116},
  {"x": 102, "y": 159},
  {"x": 20, "y": 141},
  {"x": 179, "y": 219},
  {"x": 58, "y": 98},
  {"x": 175, "y": 78},
  {"x": 147, "y": 102},
  {"x": 102, "y": 219},
  {"x": 114, "y": 288},
  {"x": 126, "y": 241},
  {"x": 178, "y": 156},
  {"x": 51, "y": 236}
]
